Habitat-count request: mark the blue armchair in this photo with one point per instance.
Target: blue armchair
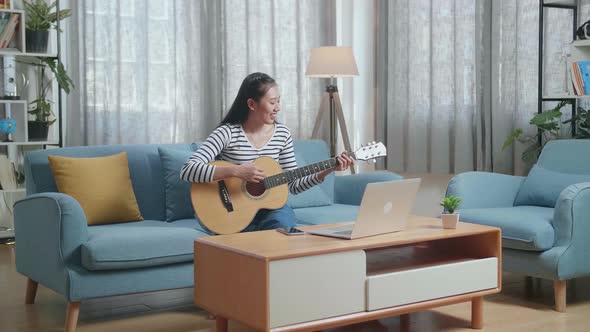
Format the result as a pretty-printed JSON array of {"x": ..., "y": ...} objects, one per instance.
[
  {"x": 544, "y": 217},
  {"x": 57, "y": 249}
]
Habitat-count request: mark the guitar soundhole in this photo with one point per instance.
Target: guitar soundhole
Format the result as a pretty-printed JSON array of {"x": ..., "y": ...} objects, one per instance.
[{"x": 255, "y": 189}]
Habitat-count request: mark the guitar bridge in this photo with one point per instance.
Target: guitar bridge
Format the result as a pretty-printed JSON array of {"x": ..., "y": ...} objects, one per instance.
[{"x": 224, "y": 195}]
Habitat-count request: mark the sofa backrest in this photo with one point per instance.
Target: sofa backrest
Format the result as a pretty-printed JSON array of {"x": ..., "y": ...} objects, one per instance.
[
  {"x": 144, "y": 166},
  {"x": 147, "y": 176},
  {"x": 309, "y": 152},
  {"x": 566, "y": 156}
]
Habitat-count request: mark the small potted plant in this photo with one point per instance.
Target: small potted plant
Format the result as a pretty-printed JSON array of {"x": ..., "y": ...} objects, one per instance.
[
  {"x": 449, "y": 216},
  {"x": 39, "y": 20},
  {"x": 41, "y": 108}
]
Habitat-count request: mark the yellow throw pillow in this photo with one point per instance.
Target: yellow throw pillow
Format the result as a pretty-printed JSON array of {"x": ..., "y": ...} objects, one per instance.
[{"x": 101, "y": 185}]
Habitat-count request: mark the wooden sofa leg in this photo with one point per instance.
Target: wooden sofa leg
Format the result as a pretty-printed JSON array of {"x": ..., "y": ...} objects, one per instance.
[
  {"x": 220, "y": 324},
  {"x": 31, "y": 291},
  {"x": 559, "y": 288},
  {"x": 72, "y": 316}
]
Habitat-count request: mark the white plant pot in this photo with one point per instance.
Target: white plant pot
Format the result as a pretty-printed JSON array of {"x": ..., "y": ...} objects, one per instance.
[{"x": 450, "y": 220}]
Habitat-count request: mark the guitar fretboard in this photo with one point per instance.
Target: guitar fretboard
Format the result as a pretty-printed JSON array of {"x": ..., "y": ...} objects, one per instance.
[{"x": 292, "y": 175}]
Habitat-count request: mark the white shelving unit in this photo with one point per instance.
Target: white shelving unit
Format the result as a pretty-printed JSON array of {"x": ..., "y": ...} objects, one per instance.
[
  {"x": 561, "y": 2},
  {"x": 563, "y": 96},
  {"x": 17, "y": 110},
  {"x": 581, "y": 43},
  {"x": 19, "y": 140},
  {"x": 17, "y": 190},
  {"x": 16, "y": 52},
  {"x": 580, "y": 50}
]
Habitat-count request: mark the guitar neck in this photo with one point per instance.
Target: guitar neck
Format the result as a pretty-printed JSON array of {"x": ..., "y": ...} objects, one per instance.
[{"x": 292, "y": 175}]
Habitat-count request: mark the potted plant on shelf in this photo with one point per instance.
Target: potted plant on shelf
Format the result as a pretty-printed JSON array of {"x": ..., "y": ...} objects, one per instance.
[
  {"x": 449, "y": 216},
  {"x": 41, "y": 108},
  {"x": 549, "y": 126},
  {"x": 39, "y": 20}
]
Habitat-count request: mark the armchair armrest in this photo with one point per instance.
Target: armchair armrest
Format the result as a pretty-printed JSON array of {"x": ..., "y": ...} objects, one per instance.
[
  {"x": 484, "y": 189},
  {"x": 571, "y": 221},
  {"x": 49, "y": 229},
  {"x": 349, "y": 189},
  {"x": 571, "y": 218}
]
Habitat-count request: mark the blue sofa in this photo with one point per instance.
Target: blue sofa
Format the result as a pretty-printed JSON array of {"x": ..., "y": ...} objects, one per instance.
[
  {"x": 56, "y": 248},
  {"x": 544, "y": 217}
]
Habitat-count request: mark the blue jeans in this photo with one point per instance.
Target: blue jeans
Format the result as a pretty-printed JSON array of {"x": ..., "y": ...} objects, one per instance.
[
  {"x": 271, "y": 219},
  {"x": 266, "y": 219}
]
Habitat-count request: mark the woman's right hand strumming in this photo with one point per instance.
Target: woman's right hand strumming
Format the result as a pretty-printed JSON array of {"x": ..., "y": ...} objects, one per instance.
[{"x": 249, "y": 172}]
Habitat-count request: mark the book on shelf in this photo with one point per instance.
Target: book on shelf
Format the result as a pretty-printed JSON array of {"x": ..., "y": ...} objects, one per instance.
[
  {"x": 569, "y": 82},
  {"x": 585, "y": 73},
  {"x": 4, "y": 4},
  {"x": 577, "y": 84},
  {"x": 9, "y": 27},
  {"x": 580, "y": 77}
]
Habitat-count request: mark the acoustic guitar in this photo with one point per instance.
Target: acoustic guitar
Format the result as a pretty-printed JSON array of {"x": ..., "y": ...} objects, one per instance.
[{"x": 229, "y": 206}]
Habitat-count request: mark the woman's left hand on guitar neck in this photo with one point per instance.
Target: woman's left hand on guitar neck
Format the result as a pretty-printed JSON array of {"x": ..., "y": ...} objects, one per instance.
[{"x": 344, "y": 161}]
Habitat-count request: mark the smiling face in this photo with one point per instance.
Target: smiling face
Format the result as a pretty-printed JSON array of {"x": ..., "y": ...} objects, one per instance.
[{"x": 266, "y": 109}]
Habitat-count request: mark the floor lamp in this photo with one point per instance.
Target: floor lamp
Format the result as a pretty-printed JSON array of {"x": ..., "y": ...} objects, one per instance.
[{"x": 332, "y": 62}]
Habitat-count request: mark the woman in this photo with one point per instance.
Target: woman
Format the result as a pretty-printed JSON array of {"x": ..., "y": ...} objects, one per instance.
[{"x": 248, "y": 131}]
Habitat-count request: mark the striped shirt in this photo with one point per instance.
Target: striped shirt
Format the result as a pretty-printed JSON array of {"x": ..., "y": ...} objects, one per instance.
[{"x": 230, "y": 142}]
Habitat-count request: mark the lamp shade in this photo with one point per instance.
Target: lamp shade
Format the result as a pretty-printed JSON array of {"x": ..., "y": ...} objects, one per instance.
[{"x": 331, "y": 61}]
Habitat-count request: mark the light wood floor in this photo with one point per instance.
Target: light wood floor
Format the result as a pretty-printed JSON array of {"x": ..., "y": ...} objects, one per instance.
[{"x": 517, "y": 308}]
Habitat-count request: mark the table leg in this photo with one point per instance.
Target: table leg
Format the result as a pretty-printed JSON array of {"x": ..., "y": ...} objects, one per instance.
[
  {"x": 477, "y": 312},
  {"x": 404, "y": 322},
  {"x": 220, "y": 324}
]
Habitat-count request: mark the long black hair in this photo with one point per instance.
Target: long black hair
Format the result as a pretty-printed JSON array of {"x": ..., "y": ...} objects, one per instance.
[{"x": 254, "y": 86}]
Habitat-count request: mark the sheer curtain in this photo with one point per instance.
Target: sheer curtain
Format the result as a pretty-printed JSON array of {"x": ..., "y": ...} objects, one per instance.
[
  {"x": 515, "y": 55},
  {"x": 460, "y": 75},
  {"x": 167, "y": 71},
  {"x": 433, "y": 87}
]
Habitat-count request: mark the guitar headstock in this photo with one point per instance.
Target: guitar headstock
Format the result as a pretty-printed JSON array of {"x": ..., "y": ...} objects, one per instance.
[{"x": 370, "y": 151}]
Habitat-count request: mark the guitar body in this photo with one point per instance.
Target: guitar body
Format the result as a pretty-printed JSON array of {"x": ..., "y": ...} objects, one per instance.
[{"x": 246, "y": 198}]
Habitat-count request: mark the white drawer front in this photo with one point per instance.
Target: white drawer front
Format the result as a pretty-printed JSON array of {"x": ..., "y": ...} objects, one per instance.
[
  {"x": 314, "y": 287},
  {"x": 428, "y": 283}
]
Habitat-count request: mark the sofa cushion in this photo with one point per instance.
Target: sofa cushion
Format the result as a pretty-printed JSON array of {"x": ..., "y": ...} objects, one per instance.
[
  {"x": 542, "y": 186},
  {"x": 101, "y": 185},
  {"x": 142, "y": 244},
  {"x": 326, "y": 214},
  {"x": 523, "y": 227},
  {"x": 178, "y": 195},
  {"x": 315, "y": 196}
]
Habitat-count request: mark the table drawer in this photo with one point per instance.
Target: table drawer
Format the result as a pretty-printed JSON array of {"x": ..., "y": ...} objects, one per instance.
[
  {"x": 430, "y": 282},
  {"x": 315, "y": 287}
]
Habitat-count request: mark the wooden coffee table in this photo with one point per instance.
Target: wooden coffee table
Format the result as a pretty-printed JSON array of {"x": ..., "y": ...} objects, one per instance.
[{"x": 273, "y": 282}]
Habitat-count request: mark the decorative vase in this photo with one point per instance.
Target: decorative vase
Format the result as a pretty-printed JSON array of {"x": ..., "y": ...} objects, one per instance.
[
  {"x": 38, "y": 130},
  {"x": 449, "y": 220},
  {"x": 36, "y": 41}
]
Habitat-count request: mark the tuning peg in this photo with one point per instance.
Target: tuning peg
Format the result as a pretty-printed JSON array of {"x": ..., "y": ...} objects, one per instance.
[{"x": 374, "y": 161}]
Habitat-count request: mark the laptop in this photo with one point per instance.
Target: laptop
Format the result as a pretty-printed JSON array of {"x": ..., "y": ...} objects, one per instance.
[{"x": 385, "y": 208}]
